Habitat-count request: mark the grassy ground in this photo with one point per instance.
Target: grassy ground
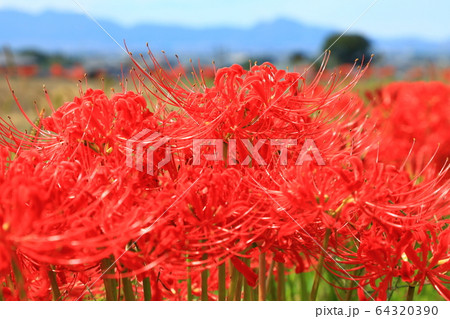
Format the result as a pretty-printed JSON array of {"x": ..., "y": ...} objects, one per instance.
[{"x": 30, "y": 90}]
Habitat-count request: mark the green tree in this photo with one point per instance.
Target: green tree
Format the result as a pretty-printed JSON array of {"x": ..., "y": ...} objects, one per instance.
[
  {"x": 347, "y": 48},
  {"x": 297, "y": 57}
]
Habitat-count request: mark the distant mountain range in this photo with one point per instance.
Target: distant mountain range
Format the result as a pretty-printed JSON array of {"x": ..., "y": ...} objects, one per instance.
[{"x": 76, "y": 34}]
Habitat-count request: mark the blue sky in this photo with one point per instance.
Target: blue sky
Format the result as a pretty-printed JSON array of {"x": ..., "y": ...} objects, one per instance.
[{"x": 387, "y": 18}]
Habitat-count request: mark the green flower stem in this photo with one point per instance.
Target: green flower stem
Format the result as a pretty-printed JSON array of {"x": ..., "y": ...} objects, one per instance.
[
  {"x": 205, "y": 275},
  {"x": 255, "y": 294},
  {"x": 262, "y": 277},
  {"x": 318, "y": 275},
  {"x": 270, "y": 281},
  {"x": 225, "y": 153},
  {"x": 247, "y": 288},
  {"x": 303, "y": 286},
  {"x": 238, "y": 291},
  {"x": 233, "y": 284},
  {"x": 54, "y": 284},
  {"x": 119, "y": 290},
  {"x": 190, "y": 297},
  {"x": 271, "y": 289},
  {"x": 128, "y": 289},
  {"x": 292, "y": 287},
  {"x": 247, "y": 292},
  {"x": 109, "y": 283},
  {"x": 410, "y": 295},
  {"x": 349, "y": 294},
  {"x": 222, "y": 282},
  {"x": 189, "y": 288},
  {"x": 281, "y": 288},
  {"x": 19, "y": 278},
  {"x": 147, "y": 289}
]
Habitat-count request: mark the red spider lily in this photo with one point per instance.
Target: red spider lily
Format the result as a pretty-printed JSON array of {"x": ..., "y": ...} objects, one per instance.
[
  {"x": 429, "y": 256},
  {"x": 260, "y": 103},
  {"x": 414, "y": 111},
  {"x": 386, "y": 218}
]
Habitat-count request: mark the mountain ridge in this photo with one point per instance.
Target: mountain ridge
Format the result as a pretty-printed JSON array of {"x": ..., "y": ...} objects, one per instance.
[{"x": 74, "y": 33}]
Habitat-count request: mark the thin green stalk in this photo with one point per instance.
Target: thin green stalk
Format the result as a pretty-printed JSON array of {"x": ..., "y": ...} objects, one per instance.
[
  {"x": 190, "y": 297},
  {"x": 270, "y": 280},
  {"x": 349, "y": 294},
  {"x": 271, "y": 290},
  {"x": 147, "y": 289},
  {"x": 54, "y": 284},
  {"x": 222, "y": 282},
  {"x": 19, "y": 278},
  {"x": 205, "y": 275},
  {"x": 410, "y": 295},
  {"x": 119, "y": 289},
  {"x": 238, "y": 291},
  {"x": 318, "y": 274},
  {"x": 189, "y": 288},
  {"x": 393, "y": 289},
  {"x": 233, "y": 284},
  {"x": 1, "y": 294},
  {"x": 254, "y": 294},
  {"x": 247, "y": 288},
  {"x": 247, "y": 291},
  {"x": 281, "y": 288},
  {"x": 109, "y": 283},
  {"x": 128, "y": 289},
  {"x": 303, "y": 286},
  {"x": 225, "y": 154},
  {"x": 262, "y": 277},
  {"x": 292, "y": 287}
]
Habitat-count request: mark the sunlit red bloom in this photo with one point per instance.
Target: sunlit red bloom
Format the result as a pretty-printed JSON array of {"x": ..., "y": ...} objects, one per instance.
[{"x": 414, "y": 116}]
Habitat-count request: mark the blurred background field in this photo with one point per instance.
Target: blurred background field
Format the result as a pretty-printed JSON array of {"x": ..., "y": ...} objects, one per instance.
[
  {"x": 31, "y": 96},
  {"x": 29, "y": 89}
]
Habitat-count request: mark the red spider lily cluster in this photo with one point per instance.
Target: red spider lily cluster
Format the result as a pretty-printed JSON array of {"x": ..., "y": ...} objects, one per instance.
[
  {"x": 416, "y": 113},
  {"x": 77, "y": 223}
]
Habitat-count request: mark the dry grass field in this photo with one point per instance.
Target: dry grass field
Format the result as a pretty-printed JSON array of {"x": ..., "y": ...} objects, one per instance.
[{"x": 30, "y": 93}]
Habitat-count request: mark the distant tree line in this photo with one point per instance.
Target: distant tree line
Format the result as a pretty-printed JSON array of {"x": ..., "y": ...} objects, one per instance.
[{"x": 344, "y": 49}]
